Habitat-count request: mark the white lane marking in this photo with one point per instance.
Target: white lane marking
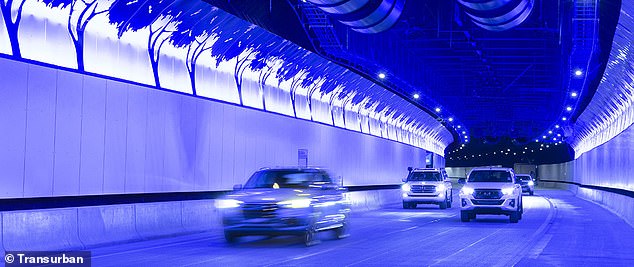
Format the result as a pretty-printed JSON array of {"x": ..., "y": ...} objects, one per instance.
[
  {"x": 390, "y": 250},
  {"x": 540, "y": 246},
  {"x": 541, "y": 231},
  {"x": 358, "y": 241},
  {"x": 465, "y": 248}
]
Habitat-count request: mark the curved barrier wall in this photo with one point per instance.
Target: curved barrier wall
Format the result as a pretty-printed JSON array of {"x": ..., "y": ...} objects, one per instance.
[
  {"x": 66, "y": 134},
  {"x": 611, "y": 109},
  {"x": 596, "y": 172}
]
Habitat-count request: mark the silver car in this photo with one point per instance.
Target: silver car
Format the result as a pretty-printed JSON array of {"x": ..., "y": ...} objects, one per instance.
[
  {"x": 286, "y": 201},
  {"x": 527, "y": 183}
]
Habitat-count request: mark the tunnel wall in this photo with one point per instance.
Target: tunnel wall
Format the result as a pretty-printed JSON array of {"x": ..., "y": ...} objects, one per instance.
[
  {"x": 609, "y": 165},
  {"x": 67, "y": 134}
]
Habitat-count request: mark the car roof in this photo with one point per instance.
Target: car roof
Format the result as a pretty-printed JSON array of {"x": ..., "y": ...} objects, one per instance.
[
  {"x": 426, "y": 170},
  {"x": 492, "y": 169},
  {"x": 293, "y": 168}
]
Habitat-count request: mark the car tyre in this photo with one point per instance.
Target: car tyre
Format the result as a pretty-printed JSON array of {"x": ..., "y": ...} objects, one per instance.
[
  {"x": 231, "y": 238},
  {"x": 443, "y": 205},
  {"x": 531, "y": 193},
  {"x": 310, "y": 235},
  {"x": 514, "y": 217},
  {"x": 465, "y": 216},
  {"x": 343, "y": 231},
  {"x": 450, "y": 201}
]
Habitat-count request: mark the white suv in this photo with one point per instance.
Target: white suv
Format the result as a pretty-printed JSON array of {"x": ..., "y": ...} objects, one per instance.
[
  {"x": 427, "y": 186},
  {"x": 491, "y": 191}
]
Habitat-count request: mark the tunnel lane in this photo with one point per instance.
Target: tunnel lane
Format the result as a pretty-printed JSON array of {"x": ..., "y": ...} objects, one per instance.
[{"x": 557, "y": 229}]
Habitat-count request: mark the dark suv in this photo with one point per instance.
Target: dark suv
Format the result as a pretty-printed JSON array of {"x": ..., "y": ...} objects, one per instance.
[{"x": 286, "y": 201}]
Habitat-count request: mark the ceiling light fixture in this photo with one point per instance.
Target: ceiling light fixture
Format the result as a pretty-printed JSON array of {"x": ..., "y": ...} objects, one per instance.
[{"x": 382, "y": 75}]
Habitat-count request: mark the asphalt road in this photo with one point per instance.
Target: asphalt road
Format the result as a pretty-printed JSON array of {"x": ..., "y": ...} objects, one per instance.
[{"x": 557, "y": 229}]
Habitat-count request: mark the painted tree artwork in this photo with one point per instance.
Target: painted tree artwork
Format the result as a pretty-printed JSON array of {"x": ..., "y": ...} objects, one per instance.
[{"x": 200, "y": 40}]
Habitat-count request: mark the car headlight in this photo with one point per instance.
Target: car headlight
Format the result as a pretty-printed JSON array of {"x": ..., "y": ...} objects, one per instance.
[
  {"x": 531, "y": 183},
  {"x": 508, "y": 191},
  {"x": 406, "y": 187},
  {"x": 295, "y": 203},
  {"x": 440, "y": 188},
  {"x": 228, "y": 203},
  {"x": 466, "y": 190}
]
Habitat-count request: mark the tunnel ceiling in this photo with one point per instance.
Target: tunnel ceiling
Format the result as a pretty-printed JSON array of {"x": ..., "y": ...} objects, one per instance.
[{"x": 507, "y": 87}]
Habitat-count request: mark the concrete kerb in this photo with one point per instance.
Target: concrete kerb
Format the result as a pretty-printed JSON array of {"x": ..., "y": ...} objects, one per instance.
[
  {"x": 52, "y": 229},
  {"x": 85, "y": 227},
  {"x": 102, "y": 225},
  {"x": 200, "y": 215},
  {"x": 158, "y": 219}
]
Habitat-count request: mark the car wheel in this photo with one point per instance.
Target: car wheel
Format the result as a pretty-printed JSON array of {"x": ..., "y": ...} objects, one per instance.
[
  {"x": 514, "y": 217},
  {"x": 450, "y": 200},
  {"x": 443, "y": 205},
  {"x": 465, "y": 216},
  {"x": 310, "y": 235},
  {"x": 231, "y": 238},
  {"x": 343, "y": 231},
  {"x": 531, "y": 193}
]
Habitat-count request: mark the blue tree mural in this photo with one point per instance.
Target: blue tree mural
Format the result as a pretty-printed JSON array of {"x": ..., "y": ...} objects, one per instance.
[
  {"x": 12, "y": 24},
  {"x": 197, "y": 32},
  {"x": 81, "y": 13},
  {"x": 160, "y": 17},
  {"x": 233, "y": 44},
  {"x": 266, "y": 62}
]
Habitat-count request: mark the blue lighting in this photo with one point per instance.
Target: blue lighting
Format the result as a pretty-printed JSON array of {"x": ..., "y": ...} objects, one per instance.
[
  {"x": 416, "y": 96},
  {"x": 569, "y": 108},
  {"x": 564, "y": 119},
  {"x": 450, "y": 119},
  {"x": 573, "y": 94},
  {"x": 578, "y": 73},
  {"x": 382, "y": 76},
  {"x": 437, "y": 109}
]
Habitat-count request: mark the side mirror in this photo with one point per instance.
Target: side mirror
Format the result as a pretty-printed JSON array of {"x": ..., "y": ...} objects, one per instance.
[
  {"x": 404, "y": 179},
  {"x": 237, "y": 187},
  {"x": 409, "y": 169},
  {"x": 462, "y": 180}
]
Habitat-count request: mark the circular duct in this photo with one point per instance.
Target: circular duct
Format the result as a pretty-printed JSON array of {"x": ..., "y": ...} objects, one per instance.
[
  {"x": 498, "y": 15},
  {"x": 365, "y": 16}
]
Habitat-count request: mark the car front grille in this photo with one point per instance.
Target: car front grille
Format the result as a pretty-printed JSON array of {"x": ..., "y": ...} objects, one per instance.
[
  {"x": 488, "y": 202},
  {"x": 253, "y": 211},
  {"x": 423, "y": 189},
  {"x": 487, "y": 194}
]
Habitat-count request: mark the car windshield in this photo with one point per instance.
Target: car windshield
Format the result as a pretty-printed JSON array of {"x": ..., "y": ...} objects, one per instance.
[
  {"x": 286, "y": 179},
  {"x": 490, "y": 176},
  {"x": 524, "y": 177},
  {"x": 424, "y": 176}
]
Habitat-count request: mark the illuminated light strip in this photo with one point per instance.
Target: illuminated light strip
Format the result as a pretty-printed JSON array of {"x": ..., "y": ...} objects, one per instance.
[{"x": 611, "y": 110}]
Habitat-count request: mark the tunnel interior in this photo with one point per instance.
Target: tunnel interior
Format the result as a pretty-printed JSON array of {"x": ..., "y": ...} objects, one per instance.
[{"x": 128, "y": 126}]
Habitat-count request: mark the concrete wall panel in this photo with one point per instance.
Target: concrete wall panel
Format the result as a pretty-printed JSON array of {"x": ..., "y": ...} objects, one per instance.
[
  {"x": 86, "y": 135},
  {"x": 13, "y": 114}
]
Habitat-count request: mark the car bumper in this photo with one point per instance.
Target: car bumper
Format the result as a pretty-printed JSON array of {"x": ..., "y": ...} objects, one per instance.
[
  {"x": 527, "y": 188},
  {"x": 423, "y": 198},
  {"x": 489, "y": 206}
]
